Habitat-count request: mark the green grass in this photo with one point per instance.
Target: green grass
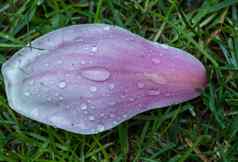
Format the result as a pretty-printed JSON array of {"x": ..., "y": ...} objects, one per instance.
[{"x": 204, "y": 129}]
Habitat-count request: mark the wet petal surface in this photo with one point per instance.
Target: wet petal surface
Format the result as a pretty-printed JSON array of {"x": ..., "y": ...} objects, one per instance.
[{"x": 89, "y": 78}]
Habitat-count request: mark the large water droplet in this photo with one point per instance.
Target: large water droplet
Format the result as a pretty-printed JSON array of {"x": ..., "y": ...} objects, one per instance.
[
  {"x": 96, "y": 74},
  {"x": 62, "y": 84}
]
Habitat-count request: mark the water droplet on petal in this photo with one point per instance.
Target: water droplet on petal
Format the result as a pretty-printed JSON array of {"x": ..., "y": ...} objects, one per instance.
[
  {"x": 111, "y": 86},
  {"x": 140, "y": 85},
  {"x": 153, "y": 92},
  {"x": 155, "y": 60},
  {"x": 62, "y": 84},
  {"x": 124, "y": 116},
  {"x": 132, "y": 99},
  {"x": 96, "y": 74},
  {"x": 83, "y": 62},
  {"x": 35, "y": 112},
  {"x": 107, "y": 28},
  {"x": 59, "y": 62},
  {"x": 100, "y": 127},
  {"x": 27, "y": 94},
  {"x": 91, "y": 118},
  {"x": 31, "y": 82},
  {"x": 93, "y": 89},
  {"x": 112, "y": 115},
  {"x": 164, "y": 46},
  {"x": 85, "y": 112},
  {"x": 92, "y": 107},
  {"x": 112, "y": 103},
  {"x": 83, "y": 106},
  {"x": 61, "y": 98},
  {"x": 156, "y": 78},
  {"x": 94, "y": 49}
]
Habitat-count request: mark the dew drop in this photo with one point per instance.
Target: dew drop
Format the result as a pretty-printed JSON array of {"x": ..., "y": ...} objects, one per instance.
[
  {"x": 115, "y": 122},
  {"x": 156, "y": 78},
  {"x": 96, "y": 74},
  {"x": 27, "y": 94},
  {"x": 61, "y": 98},
  {"x": 94, "y": 49},
  {"x": 59, "y": 62},
  {"x": 111, "y": 86},
  {"x": 62, "y": 84},
  {"x": 93, "y": 89},
  {"x": 91, "y": 118},
  {"x": 140, "y": 85},
  {"x": 31, "y": 82},
  {"x": 35, "y": 112},
  {"x": 164, "y": 46},
  {"x": 124, "y": 116},
  {"x": 92, "y": 107},
  {"x": 100, "y": 127},
  {"x": 153, "y": 92},
  {"x": 83, "y": 106},
  {"x": 83, "y": 62},
  {"x": 49, "y": 99},
  {"x": 112, "y": 115},
  {"x": 112, "y": 103},
  {"x": 107, "y": 28},
  {"x": 155, "y": 60},
  {"x": 85, "y": 112},
  {"x": 131, "y": 99}
]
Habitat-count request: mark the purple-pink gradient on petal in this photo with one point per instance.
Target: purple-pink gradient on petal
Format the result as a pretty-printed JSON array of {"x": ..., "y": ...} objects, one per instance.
[{"x": 90, "y": 78}]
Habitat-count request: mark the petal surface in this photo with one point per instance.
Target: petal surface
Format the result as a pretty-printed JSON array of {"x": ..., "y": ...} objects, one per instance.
[{"x": 89, "y": 78}]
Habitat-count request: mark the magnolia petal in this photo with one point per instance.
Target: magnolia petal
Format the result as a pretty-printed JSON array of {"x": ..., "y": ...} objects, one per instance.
[{"x": 89, "y": 78}]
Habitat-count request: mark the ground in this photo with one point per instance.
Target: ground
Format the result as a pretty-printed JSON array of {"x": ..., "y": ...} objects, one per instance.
[{"x": 204, "y": 129}]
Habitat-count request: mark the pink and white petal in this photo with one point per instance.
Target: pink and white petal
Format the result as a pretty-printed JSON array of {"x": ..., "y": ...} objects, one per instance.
[{"x": 89, "y": 78}]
